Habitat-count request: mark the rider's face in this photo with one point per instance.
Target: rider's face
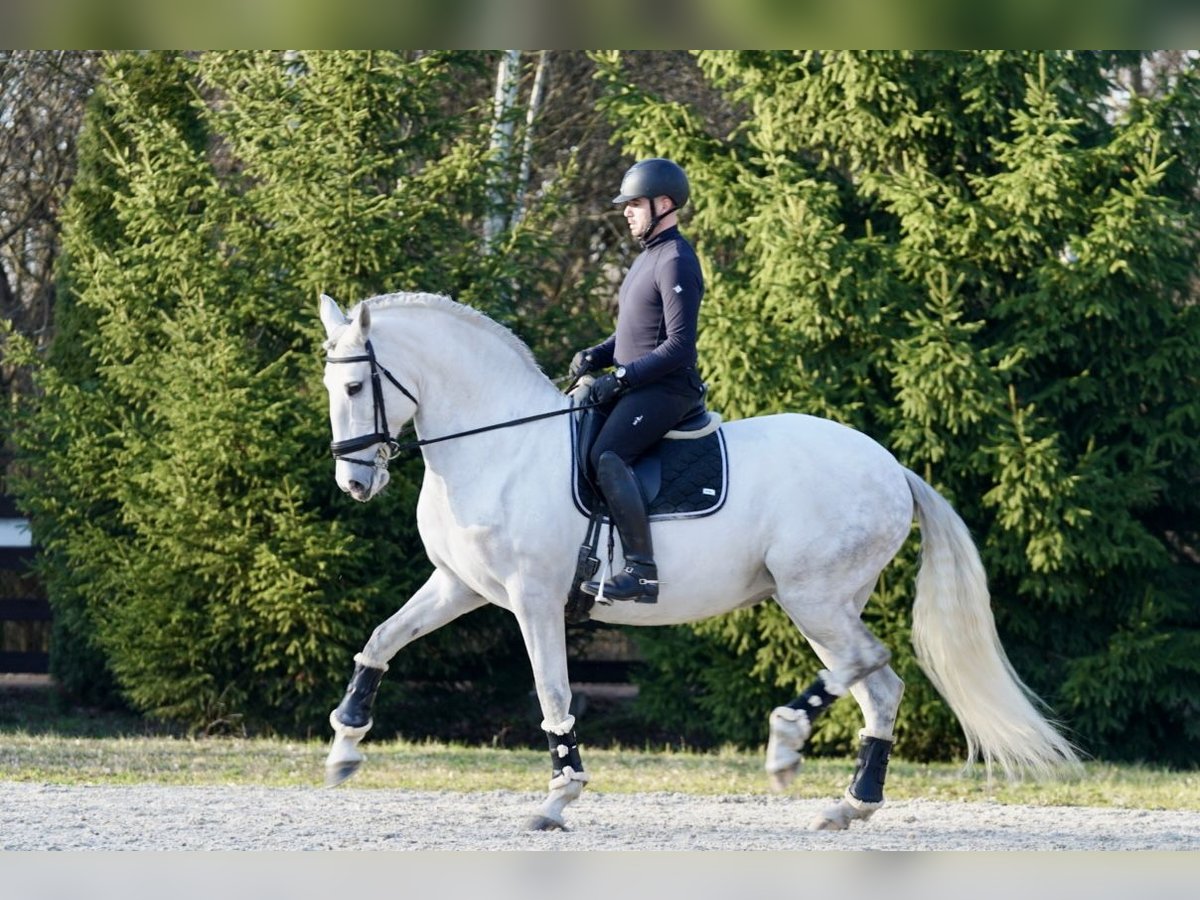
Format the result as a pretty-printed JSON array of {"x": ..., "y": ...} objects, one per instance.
[{"x": 637, "y": 214}]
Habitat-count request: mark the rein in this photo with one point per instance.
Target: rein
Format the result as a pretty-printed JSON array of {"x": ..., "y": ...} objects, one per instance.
[{"x": 342, "y": 449}]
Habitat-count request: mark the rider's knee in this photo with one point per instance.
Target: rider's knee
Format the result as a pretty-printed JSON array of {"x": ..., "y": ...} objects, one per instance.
[{"x": 603, "y": 458}]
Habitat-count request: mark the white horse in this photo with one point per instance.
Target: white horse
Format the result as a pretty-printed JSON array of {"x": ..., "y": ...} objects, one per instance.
[{"x": 814, "y": 512}]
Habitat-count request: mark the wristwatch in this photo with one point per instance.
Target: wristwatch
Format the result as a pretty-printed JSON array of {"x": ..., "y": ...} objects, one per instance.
[{"x": 620, "y": 373}]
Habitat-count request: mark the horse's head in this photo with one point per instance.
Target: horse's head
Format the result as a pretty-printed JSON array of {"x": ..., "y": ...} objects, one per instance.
[{"x": 361, "y": 405}]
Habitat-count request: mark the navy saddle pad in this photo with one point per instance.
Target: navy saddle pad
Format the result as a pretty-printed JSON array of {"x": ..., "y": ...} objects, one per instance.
[{"x": 681, "y": 478}]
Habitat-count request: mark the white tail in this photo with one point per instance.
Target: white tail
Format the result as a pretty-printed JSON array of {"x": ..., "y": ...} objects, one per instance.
[{"x": 955, "y": 639}]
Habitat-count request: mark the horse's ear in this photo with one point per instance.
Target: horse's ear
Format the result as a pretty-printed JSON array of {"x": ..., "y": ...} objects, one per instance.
[
  {"x": 360, "y": 323},
  {"x": 331, "y": 315}
]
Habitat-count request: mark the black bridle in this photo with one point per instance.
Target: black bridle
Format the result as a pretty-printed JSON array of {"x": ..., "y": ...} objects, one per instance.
[{"x": 342, "y": 449}]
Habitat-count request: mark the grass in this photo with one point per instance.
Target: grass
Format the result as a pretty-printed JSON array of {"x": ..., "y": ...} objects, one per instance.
[
  {"x": 447, "y": 767},
  {"x": 74, "y": 747}
]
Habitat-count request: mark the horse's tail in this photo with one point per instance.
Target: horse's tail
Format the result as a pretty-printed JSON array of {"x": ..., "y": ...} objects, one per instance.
[{"x": 955, "y": 639}]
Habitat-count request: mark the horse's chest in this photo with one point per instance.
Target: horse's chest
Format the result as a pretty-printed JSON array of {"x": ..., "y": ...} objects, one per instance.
[
  {"x": 470, "y": 545},
  {"x": 456, "y": 537}
]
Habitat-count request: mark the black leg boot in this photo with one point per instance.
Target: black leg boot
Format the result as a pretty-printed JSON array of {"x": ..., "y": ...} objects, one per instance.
[
  {"x": 355, "y": 709},
  {"x": 639, "y": 580},
  {"x": 871, "y": 771}
]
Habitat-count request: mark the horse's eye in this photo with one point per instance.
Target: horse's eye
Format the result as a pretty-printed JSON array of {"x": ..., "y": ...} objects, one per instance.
[{"x": 353, "y": 388}]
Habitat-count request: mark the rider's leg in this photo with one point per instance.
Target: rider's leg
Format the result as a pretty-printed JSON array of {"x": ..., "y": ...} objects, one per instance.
[
  {"x": 637, "y": 421},
  {"x": 638, "y": 581}
]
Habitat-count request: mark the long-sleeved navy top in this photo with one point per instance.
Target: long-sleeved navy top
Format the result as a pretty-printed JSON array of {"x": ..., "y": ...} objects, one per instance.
[{"x": 658, "y": 312}]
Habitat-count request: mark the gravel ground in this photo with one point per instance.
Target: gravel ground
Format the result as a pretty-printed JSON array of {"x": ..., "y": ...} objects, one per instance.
[{"x": 149, "y": 817}]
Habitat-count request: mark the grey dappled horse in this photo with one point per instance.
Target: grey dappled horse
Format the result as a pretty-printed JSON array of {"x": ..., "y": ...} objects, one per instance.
[{"x": 814, "y": 512}]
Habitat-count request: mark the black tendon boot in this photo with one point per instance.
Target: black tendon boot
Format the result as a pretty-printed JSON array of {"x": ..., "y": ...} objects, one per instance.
[
  {"x": 871, "y": 771},
  {"x": 355, "y": 709},
  {"x": 639, "y": 579}
]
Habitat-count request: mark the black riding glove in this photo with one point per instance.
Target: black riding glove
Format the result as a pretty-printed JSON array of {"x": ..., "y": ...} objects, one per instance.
[
  {"x": 605, "y": 388},
  {"x": 581, "y": 364}
]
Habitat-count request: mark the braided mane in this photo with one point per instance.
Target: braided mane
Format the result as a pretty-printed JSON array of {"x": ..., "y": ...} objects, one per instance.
[{"x": 415, "y": 300}]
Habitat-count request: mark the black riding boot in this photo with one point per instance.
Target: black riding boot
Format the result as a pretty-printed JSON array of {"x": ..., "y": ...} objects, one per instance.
[{"x": 639, "y": 580}]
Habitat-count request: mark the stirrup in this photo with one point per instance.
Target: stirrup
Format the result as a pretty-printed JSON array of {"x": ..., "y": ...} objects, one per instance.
[{"x": 630, "y": 584}]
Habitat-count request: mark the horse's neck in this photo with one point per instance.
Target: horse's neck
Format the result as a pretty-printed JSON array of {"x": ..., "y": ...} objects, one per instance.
[{"x": 467, "y": 376}]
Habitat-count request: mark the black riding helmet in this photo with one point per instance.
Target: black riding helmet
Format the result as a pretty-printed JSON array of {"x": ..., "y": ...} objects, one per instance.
[{"x": 652, "y": 178}]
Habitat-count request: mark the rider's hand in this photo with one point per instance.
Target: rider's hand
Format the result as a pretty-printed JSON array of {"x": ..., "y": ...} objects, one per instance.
[
  {"x": 581, "y": 364},
  {"x": 607, "y": 387}
]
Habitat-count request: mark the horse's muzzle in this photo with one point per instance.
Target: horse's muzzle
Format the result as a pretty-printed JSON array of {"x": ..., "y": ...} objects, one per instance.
[
  {"x": 362, "y": 479},
  {"x": 364, "y": 491}
]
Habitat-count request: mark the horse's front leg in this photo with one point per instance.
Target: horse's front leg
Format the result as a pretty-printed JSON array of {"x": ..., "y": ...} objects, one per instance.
[
  {"x": 440, "y": 600},
  {"x": 544, "y": 629}
]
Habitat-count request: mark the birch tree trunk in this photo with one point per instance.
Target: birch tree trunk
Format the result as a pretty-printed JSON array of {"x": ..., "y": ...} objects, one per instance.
[
  {"x": 535, "y": 101},
  {"x": 507, "y": 83}
]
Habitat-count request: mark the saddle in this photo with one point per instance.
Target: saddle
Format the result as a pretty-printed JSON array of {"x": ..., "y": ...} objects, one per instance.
[{"x": 684, "y": 475}]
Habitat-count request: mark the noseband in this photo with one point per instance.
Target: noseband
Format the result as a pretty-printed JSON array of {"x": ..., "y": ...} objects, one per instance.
[{"x": 342, "y": 449}]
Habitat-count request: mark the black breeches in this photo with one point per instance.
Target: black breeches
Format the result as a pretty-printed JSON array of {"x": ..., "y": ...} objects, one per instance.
[{"x": 641, "y": 417}]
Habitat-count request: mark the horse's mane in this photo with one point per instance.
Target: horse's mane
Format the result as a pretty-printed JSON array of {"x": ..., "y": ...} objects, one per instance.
[{"x": 466, "y": 314}]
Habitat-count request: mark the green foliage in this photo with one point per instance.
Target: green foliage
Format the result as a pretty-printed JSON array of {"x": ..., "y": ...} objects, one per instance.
[
  {"x": 197, "y": 553},
  {"x": 980, "y": 259},
  {"x": 977, "y": 260}
]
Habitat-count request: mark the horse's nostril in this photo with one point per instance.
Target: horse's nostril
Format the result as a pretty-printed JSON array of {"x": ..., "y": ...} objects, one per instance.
[{"x": 357, "y": 487}]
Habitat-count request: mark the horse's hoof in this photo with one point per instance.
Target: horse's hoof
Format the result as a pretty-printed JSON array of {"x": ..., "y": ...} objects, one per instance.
[
  {"x": 779, "y": 781},
  {"x": 545, "y": 823},
  {"x": 821, "y": 823},
  {"x": 336, "y": 774},
  {"x": 836, "y": 818}
]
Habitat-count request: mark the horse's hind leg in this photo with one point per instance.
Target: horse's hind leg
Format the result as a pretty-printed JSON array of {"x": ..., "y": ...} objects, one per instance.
[
  {"x": 857, "y": 664},
  {"x": 835, "y": 631},
  {"x": 878, "y": 695}
]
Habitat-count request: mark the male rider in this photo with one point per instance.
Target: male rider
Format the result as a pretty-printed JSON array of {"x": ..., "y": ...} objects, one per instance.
[{"x": 655, "y": 383}]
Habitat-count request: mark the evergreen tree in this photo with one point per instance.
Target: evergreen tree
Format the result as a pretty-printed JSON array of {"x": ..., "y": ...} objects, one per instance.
[
  {"x": 81, "y": 430},
  {"x": 182, "y": 489},
  {"x": 986, "y": 263}
]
